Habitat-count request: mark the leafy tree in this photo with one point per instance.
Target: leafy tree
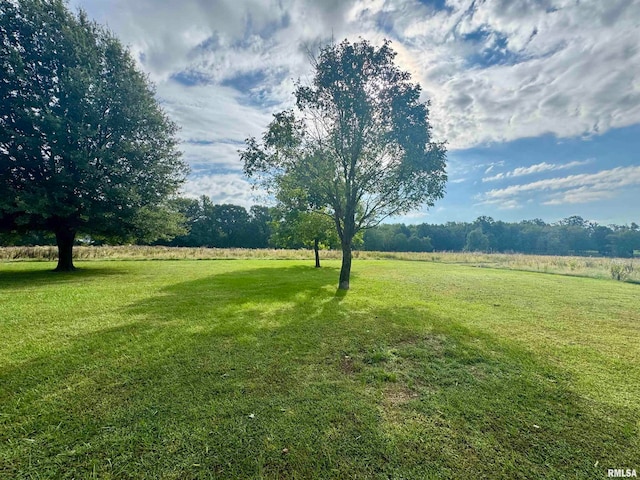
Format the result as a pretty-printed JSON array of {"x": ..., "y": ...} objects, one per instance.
[
  {"x": 574, "y": 221},
  {"x": 573, "y": 235},
  {"x": 400, "y": 243},
  {"x": 311, "y": 229},
  {"x": 451, "y": 236},
  {"x": 27, "y": 238},
  {"x": 624, "y": 241},
  {"x": 301, "y": 222},
  {"x": 194, "y": 211},
  {"x": 477, "y": 241},
  {"x": 84, "y": 146},
  {"x": 599, "y": 236},
  {"x": 259, "y": 229},
  {"x": 550, "y": 242},
  {"x": 230, "y": 225},
  {"x": 223, "y": 226},
  {"x": 576, "y": 238},
  {"x": 376, "y": 239},
  {"x": 419, "y": 244},
  {"x": 359, "y": 143}
]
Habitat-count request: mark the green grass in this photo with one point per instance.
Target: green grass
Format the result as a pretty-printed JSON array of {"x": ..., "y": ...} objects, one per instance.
[{"x": 258, "y": 369}]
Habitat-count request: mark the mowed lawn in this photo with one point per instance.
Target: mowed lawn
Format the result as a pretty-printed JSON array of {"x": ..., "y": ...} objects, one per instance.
[{"x": 258, "y": 369}]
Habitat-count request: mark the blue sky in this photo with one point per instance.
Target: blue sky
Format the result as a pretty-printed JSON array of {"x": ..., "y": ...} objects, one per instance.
[{"x": 538, "y": 100}]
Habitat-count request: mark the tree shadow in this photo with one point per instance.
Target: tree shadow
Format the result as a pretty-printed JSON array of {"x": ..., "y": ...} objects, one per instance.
[
  {"x": 372, "y": 392},
  {"x": 340, "y": 294},
  {"x": 242, "y": 294},
  {"x": 18, "y": 279}
]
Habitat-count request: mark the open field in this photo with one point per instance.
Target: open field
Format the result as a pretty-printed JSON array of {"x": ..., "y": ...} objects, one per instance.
[
  {"x": 258, "y": 369},
  {"x": 594, "y": 267}
]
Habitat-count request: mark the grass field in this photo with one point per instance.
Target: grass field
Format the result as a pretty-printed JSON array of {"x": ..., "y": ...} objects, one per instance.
[
  {"x": 594, "y": 267},
  {"x": 259, "y": 369}
]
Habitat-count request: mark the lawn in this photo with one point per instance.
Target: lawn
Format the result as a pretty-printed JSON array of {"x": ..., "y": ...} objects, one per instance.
[{"x": 258, "y": 369}]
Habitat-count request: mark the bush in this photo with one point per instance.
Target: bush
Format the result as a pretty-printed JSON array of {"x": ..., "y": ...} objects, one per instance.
[{"x": 621, "y": 271}]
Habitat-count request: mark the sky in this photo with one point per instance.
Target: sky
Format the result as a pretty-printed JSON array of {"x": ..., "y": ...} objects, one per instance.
[{"x": 538, "y": 100}]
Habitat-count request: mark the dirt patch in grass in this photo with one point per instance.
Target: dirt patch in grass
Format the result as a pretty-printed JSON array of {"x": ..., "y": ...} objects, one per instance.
[
  {"x": 396, "y": 395},
  {"x": 347, "y": 365}
]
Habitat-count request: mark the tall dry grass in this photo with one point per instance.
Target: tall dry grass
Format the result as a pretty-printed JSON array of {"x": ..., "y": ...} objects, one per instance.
[{"x": 595, "y": 267}]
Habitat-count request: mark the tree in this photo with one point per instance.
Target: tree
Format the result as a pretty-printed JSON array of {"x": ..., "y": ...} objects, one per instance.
[
  {"x": 230, "y": 225},
  {"x": 624, "y": 241},
  {"x": 300, "y": 221},
  {"x": 599, "y": 236},
  {"x": 194, "y": 212},
  {"x": 259, "y": 227},
  {"x": 574, "y": 221},
  {"x": 84, "y": 146},
  {"x": 477, "y": 241},
  {"x": 315, "y": 229},
  {"x": 419, "y": 244},
  {"x": 358, "y": 143}
]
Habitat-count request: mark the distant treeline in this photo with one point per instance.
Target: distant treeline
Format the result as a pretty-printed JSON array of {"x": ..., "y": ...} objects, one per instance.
[
  {"x": 233, "y": 226},
  {"x": 571, "y": 236}
]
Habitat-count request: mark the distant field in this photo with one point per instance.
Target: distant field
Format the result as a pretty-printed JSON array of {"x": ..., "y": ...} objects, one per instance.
[
  {"x": 259, "y": 369},
  {"x": 594, "y": 267}
]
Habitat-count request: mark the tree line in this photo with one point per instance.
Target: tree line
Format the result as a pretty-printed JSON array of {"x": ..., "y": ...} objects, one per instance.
[
  {"x": 570, "y": 236},
  {"x": 233, "y": 226}
]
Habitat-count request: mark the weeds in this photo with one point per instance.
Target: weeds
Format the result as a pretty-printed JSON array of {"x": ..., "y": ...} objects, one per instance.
[{"x": 621, "y": 271}]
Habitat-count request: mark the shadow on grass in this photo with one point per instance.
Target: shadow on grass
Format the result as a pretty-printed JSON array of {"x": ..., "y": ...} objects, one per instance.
[
  {"x": 269, "y": 372},
  {"x": 340, "y": 295},
  {"x": 17, "y": 279}
]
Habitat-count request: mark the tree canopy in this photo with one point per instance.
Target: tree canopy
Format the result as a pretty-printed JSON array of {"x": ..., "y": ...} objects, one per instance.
[
  {"x": 222, "y": 226},
  {"x": 84, "y": 145},
  {"x": 358, "y": 143},
  {"x": 301, "y": 228}
]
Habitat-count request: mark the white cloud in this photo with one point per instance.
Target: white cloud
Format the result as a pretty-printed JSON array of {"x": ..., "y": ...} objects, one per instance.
[
  {"x": 582, "y": 188},
  {"x": 222, "y": 188},
  {"x": 566, "y": 69},
  {"x": 580, "y": 195},
  {"x": 210, "y": 113},
  {"x": 537, "y": 168},
  {"x": 494, "y": 70}
]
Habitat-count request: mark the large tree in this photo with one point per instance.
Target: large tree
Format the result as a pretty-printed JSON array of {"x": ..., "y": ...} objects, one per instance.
[
  {"x": 84, "y": 145},
  {"x": 358, "y": 143}
]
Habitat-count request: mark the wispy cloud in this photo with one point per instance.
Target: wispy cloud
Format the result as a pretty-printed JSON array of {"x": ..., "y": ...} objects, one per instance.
[
  {"x": 537, "y": 168},
  {"x": 581, "y": 188},
  {"x": 580, "y": 195}
]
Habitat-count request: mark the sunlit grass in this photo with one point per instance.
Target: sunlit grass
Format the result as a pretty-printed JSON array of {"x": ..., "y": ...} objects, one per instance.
[{"x": 256, "y": 368}]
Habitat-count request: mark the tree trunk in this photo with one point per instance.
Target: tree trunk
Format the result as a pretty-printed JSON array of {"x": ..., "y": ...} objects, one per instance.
[
  {"x": 316, "y": 248},
  {"x": 345, "y": 271},
  {"x": 64, "y": 238}
]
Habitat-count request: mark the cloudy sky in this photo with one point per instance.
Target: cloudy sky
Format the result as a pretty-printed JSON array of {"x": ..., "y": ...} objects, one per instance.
[{"x": 539, "y": 100}]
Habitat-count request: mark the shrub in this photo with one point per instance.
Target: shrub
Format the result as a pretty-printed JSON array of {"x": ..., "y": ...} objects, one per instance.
[{"x": 621, "y": 271}]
